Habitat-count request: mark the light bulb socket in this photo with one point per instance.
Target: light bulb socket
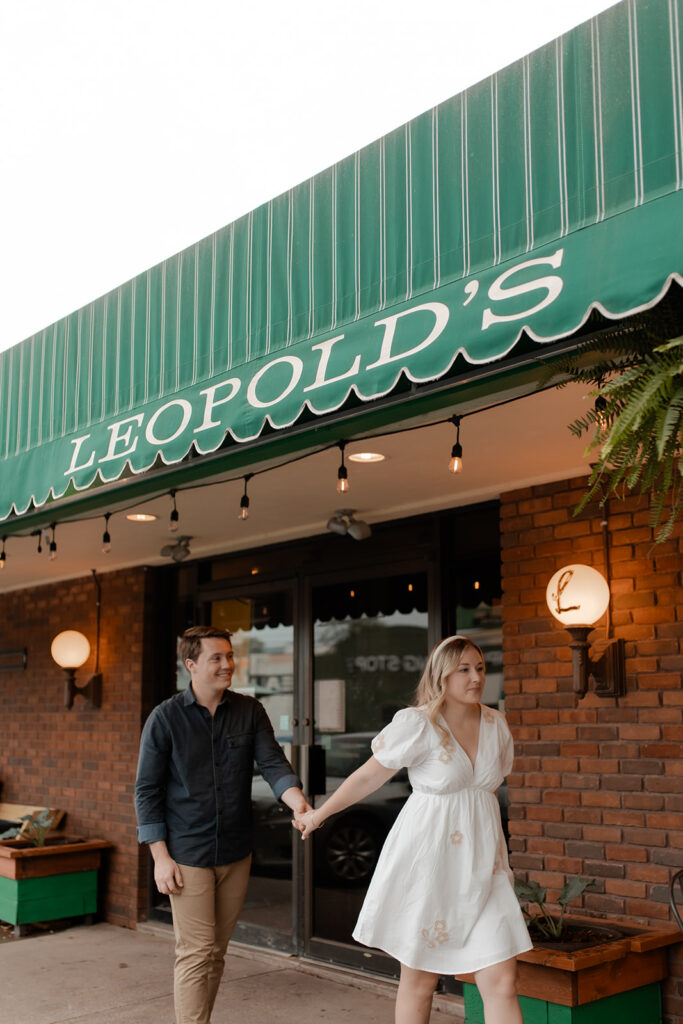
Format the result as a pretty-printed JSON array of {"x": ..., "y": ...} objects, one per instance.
[
  {"x": 244, "y": 507},
  {"x": 106, "y": 542},
  {"x": 53, "y": 550},
  {"x": 342, "y": 479}
]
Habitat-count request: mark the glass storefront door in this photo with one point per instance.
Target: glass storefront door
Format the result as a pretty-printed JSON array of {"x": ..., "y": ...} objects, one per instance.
[
  {"x": 370, "y": 641},
  {"x": 262, "y": 625}
]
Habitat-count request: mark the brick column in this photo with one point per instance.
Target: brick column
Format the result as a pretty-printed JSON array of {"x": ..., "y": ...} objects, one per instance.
[
  {"x": 598, "y": 785},
  {"x": 80, "y": 760}
]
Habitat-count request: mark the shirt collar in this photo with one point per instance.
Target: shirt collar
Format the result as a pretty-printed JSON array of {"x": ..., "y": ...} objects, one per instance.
[{"x": 189, "y": 696}]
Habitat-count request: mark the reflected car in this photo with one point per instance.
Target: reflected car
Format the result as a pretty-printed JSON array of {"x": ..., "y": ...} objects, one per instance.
[{"x": 347, "y": 848}]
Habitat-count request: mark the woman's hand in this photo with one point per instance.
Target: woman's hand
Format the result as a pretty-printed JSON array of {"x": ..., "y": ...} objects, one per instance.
[{"x": 306, "y": 824}]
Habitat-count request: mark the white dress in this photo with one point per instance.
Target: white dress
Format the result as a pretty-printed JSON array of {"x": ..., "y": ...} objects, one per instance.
[{"x": 441, "y": 898}]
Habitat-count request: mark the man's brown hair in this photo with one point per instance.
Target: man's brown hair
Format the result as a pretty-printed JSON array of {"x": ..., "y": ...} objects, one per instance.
[{"x": 190, "y": 643}]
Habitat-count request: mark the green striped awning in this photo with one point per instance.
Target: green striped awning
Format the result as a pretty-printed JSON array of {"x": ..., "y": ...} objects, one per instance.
[{"x": 550, "y": 189}]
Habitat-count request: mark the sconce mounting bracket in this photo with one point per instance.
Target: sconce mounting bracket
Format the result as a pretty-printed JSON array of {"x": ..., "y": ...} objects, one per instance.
[
  {"x": 606, "y": 675},
  {"x": 90, "y": 691}
]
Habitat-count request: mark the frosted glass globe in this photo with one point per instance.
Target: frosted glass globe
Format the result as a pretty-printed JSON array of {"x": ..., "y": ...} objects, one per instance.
[
  {"x": 577, "y": 595},
  {"x": 70, "y": 649}
]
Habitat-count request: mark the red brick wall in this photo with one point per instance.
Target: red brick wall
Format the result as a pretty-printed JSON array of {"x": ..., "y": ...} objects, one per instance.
[
  {"x": 80, "y": 760},
  {"x": 598, "y": 785}
]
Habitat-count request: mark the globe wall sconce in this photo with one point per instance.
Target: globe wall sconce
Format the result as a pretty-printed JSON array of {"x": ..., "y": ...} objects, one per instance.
[
  {"x": 70, "y": 649},
  {"x": 577, "y": 596}
]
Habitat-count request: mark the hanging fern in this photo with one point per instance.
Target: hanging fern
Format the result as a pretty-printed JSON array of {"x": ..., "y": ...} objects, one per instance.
[{"x": 637, "y": 423}]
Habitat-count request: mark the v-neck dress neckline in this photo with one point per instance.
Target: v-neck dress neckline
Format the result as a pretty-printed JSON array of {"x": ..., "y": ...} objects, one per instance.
[{"x": 473, "y": 764}]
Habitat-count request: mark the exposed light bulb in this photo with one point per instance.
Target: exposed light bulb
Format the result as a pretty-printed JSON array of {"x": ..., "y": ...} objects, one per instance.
[
  {"x": 106, "y": 536},
  {"x": 173, "y": 520},
  {"x": 601, "y": 411},
  {"x": 244, "y": 500},
  {"x": 3, "y": 556},
  {"x": 53, "y": 550},
  {"x": 342, "y": 473},
  {"x": 455, "y": 465}
]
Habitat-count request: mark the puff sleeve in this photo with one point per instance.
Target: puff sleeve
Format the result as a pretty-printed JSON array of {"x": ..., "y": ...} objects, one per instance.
[{"x": 405, "y": 741}]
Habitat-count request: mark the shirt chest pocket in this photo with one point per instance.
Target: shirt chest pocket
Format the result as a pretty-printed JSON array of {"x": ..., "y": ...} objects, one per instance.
[{"x": 240, "y": 753}]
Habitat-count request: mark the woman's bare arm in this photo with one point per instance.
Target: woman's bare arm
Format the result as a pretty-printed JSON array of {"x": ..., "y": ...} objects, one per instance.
[{"x": 365, "y": 780}]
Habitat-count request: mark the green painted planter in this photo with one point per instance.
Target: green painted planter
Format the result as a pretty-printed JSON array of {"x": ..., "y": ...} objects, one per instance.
[
  {"x": 643, "y": 1005},
  {"x": 25, "y": 900},
  {"x": 614, "y": 981},
  {"x": 49, "y": 882}
]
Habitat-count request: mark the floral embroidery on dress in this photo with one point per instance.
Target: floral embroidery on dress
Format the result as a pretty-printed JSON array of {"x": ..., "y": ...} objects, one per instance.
[
  {"x": 487, "y": 714},
  {"x": 378, "y": 743},
  {"x": 437, "y": 934},
  {"x": 448, "y": 747},
  {"x": 456, "y": 837}
]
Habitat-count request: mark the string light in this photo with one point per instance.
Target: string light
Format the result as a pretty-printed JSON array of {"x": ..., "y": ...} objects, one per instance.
[
  {"x": 173, "y": 521},
  {"x": 342, "y": 477},
  {"x": 342, "y": 473},
  {"x": 601, "y": 411},
  {"x": 244, "y": 500},
  {"x": 106, "y": 537},
  {"x": 455, "y": 464},
  {"x": 3, "y": 556}
]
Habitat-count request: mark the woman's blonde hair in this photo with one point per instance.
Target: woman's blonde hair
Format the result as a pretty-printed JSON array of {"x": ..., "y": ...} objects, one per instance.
[{"x": 431, "y": 690}]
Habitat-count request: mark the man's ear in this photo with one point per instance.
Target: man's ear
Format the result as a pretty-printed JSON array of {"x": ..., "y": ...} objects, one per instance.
[{"x": 189, "y": 664}]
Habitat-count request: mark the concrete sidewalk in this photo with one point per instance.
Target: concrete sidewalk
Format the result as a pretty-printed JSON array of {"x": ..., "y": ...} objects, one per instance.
[{"x": 108, "y": 975}]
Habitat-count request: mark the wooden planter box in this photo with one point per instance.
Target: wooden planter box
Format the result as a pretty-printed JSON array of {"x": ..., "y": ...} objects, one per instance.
[
  {"x": 45, "y": 883},
  {"x": 610, "y": 983}
]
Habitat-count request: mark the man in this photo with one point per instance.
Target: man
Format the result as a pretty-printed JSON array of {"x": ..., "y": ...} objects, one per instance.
[{"x": 193, "y": 805}]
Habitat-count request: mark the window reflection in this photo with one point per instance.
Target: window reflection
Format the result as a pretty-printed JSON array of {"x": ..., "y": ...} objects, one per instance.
[{"x": 370, "y": 645}]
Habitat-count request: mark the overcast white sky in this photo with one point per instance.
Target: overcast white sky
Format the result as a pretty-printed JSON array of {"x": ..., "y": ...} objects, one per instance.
[{"x": 130, "y": 129}]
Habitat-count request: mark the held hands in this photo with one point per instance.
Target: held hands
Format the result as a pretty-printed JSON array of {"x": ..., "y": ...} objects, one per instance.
[{"x": 306, "y": 824}]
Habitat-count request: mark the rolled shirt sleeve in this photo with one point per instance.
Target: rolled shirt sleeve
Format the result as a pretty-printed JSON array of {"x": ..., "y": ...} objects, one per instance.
[{"x": 151, "y": 779}]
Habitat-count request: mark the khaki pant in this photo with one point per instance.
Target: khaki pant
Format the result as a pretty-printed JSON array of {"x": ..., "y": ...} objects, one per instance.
[{"x": 204, "y": 915}]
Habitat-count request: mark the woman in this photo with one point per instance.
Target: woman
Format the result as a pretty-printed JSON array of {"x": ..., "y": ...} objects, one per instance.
[{"x": 441, "y": 900}]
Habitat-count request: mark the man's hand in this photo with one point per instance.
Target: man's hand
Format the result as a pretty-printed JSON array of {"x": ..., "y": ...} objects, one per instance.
[
  {"x": 296, "y": 801},
  {"x": 305, "y": 824},
  {"x": 167, "y": 874}
]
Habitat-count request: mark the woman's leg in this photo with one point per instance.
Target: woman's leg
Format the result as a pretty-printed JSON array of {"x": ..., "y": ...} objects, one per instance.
[
  {"x": 498, "y": 989},
  {"x": 414, "y": 998}
]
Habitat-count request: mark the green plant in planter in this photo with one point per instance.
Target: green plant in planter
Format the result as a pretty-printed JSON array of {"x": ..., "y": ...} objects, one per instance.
[
  {"x": 544, "y": 922},
  {"x": 34, "y": 830}
]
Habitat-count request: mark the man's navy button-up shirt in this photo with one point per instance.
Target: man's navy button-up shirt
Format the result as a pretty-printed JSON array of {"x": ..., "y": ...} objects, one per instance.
[{"x": 193, "y": 786}]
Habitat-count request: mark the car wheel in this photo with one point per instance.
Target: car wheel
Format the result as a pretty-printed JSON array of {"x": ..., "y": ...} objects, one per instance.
[{"x": 349, "y": 852}]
